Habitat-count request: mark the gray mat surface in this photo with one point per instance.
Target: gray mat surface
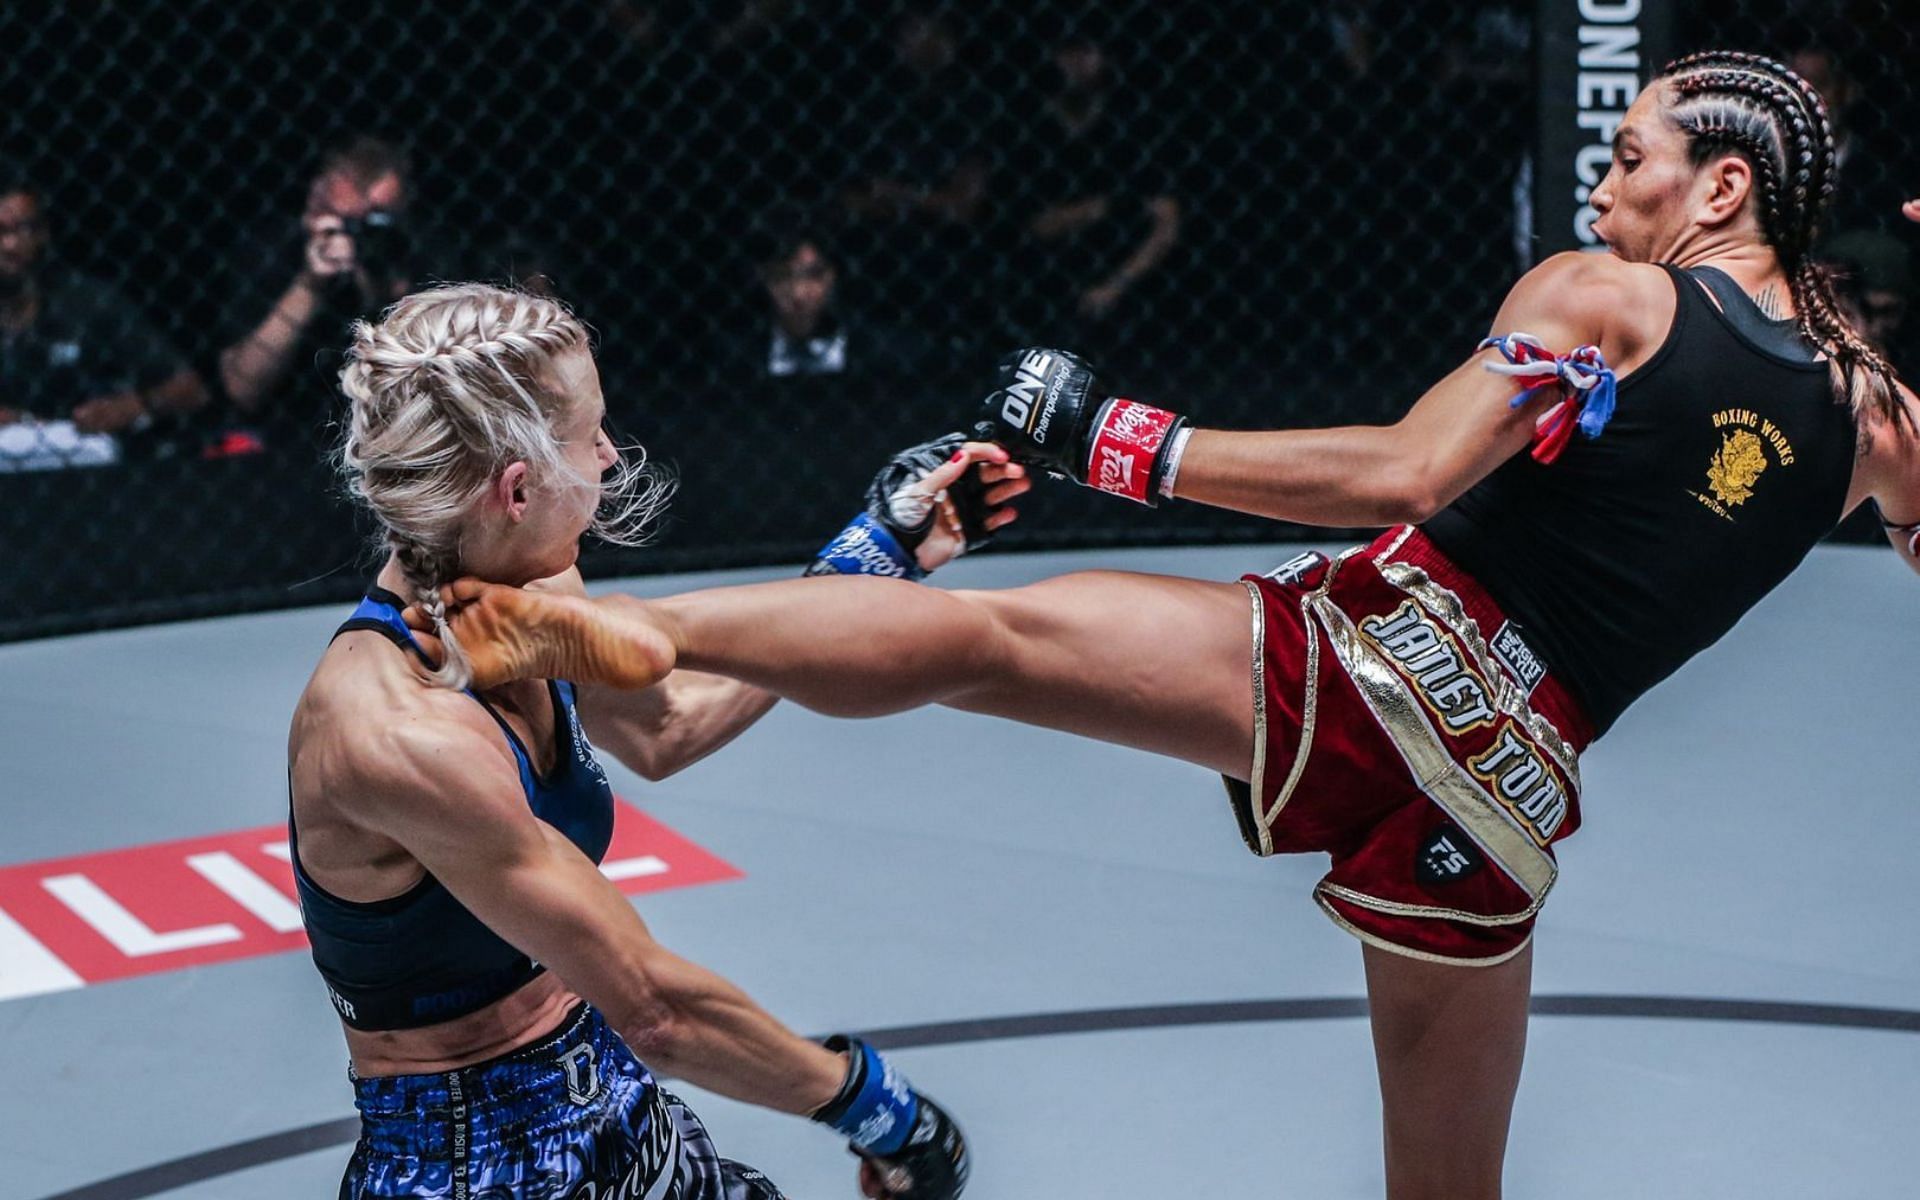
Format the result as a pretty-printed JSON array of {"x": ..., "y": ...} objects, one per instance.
[{"x": 1750, "y": 829}]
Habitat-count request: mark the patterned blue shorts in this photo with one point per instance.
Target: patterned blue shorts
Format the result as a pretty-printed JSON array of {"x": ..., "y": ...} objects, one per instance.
[{"x": 573, "y": 1117}]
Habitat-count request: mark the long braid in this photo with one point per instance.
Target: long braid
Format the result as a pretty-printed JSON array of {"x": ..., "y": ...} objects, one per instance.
[
  {"x": 1757, "y": 108},
  {"x": 427, "y": 572}
]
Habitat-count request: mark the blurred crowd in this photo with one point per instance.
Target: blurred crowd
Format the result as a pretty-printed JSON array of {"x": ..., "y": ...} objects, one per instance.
[
  {"x": 803, "y": 230},
  {"x": 1065, "y": 179},
  {"x": 974, "y": 208}
]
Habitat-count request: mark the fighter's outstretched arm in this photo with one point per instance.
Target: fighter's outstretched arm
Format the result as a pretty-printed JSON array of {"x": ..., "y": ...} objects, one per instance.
[
  {"x": 1050, "y": 409},
  {"x": 442, "y": 786}
]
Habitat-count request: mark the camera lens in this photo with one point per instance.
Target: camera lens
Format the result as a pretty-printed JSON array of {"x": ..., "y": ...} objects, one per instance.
[{"x": 380, "y": 243}]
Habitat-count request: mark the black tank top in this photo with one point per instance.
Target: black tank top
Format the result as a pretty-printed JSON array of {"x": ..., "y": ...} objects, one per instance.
[
  {"x": 1725, "y": 462},
  {"x": 422, "y": 957}
]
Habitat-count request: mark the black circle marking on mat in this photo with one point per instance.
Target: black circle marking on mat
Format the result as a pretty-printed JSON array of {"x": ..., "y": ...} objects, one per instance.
[{"x": 290, "y": 1143}]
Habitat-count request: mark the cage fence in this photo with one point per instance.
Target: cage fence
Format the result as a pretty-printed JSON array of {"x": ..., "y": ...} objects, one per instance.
[{"x": 802, "y": 231}]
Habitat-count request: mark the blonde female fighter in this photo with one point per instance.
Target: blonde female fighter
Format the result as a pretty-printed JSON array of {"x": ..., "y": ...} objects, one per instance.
[{"x": 498, "y": 994}]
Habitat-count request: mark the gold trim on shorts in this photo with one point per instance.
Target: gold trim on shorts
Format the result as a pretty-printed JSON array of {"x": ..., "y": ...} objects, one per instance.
[
  {"x": 1393, "y": 704},
  {"x": 1445, "y": 606},
  {"x": 1393, "y": 547},
  {"x": 1261, "y": 821},
  {"x": 1396, "y": 908},
  {"x": 1256, "y": 778},
  {"x": 1375, "y": 940}
]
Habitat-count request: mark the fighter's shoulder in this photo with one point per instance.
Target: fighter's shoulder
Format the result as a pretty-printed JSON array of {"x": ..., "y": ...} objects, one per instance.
[
  {"x": 378, "y": 733},
  {"x": 1625, "y": 306},
  {"x": 1573, "y": 281}
]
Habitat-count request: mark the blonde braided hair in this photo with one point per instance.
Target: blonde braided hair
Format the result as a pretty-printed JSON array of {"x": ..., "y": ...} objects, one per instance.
[{"x": 446, "y": 391}]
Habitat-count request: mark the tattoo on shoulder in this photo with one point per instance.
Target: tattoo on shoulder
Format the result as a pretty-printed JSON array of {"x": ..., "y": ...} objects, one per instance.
[{"x": 1769, "y": 302}]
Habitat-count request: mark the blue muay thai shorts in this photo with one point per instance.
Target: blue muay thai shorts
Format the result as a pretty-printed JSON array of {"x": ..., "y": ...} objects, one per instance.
[{"x": 573, "y": 1117}]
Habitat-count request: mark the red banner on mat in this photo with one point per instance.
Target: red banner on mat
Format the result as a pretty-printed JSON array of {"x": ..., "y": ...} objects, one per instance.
[{"x": 69, "y": 922}]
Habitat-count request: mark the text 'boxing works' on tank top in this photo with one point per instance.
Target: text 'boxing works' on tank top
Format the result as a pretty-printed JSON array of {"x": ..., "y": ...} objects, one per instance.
[
  {"x": 421, "y": 957},
  {"x": 1726, "y": 460}
]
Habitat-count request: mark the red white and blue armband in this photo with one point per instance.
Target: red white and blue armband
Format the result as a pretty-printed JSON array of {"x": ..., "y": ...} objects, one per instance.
[
  {"x": 876, "y": 1106},
  {"x": 1586, "y": 385}
]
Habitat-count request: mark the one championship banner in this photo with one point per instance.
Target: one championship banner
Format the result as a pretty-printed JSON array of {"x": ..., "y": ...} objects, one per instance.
[{"x": 1591, "y": 58}]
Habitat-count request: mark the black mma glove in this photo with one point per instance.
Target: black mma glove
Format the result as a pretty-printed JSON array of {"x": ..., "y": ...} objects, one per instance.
[
  {"x": 1049, "y": 411},
  {"x": 913, "y": 1143},
  {"x": 898, "y": 515}
]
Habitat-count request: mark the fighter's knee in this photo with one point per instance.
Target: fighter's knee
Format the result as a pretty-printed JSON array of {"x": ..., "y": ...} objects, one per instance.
[
  {"x": 1007, "y": 626},
  {"x": 1023, "y": 612}
]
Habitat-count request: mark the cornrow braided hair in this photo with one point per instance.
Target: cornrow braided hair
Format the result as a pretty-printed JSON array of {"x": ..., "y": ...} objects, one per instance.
[
  {"x": 1729, "y": 102},
  {"x": 447, "y": 390}
]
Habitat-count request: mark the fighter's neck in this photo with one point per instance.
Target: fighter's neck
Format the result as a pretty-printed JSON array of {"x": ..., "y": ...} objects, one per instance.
[{"x": 1752, "y": 265}]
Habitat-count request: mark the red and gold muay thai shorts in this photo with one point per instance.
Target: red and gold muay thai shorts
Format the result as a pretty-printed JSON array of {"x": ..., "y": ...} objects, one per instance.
[{"x": 1402, "y": 725}]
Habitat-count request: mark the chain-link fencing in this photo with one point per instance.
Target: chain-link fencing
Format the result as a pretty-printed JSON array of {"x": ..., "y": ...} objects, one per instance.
[{"x": 803, "y": 230}]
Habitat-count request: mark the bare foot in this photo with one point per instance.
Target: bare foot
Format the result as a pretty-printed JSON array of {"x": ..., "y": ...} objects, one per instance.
[{"x": 510, "y": 633}]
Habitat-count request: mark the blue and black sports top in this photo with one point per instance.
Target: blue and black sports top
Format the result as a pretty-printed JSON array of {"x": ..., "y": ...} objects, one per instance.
[{"x": 421, "y": 957}]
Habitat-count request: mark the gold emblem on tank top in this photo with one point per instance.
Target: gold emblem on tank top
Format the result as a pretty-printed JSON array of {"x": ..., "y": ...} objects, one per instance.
[{"x": 1741, "y": 459}]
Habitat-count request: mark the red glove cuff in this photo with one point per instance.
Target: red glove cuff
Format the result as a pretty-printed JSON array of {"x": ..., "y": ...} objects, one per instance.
[{"x": 1129, "y": 441}]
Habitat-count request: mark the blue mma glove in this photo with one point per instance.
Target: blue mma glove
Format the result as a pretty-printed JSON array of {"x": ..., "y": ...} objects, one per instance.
[
  {"x": 883, "y": 539},
  {"x": 917, "y": 1148}
]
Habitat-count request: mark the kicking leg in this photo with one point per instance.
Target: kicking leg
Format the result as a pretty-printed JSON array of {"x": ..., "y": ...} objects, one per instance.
[
  {"x": 1156, "y": 662},
  {"x": 1448, "y": 1040}
]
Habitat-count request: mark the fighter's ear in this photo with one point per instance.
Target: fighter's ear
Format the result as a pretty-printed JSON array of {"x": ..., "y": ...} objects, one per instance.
[
  {"x": 1726, "y": 184},
  {"x": 510, "y": 491}
]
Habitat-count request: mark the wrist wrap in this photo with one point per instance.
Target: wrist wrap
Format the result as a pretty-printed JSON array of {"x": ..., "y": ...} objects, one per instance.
[
  {"x": 876, "y": 1107},
  {"x": 865, "y": 547},
  {"x": 1127, "y": 449}
]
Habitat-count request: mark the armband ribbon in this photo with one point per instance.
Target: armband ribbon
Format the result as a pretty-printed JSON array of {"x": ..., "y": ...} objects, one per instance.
[{"x": 1587, "y": 386}]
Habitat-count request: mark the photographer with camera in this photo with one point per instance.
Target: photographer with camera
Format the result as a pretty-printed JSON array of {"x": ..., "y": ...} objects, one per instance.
[{"x": 355, "y": 252}]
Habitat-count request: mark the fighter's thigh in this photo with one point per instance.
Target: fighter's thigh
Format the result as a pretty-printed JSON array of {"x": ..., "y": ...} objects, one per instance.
[
  {"x": 1152, "y": 661},
  {"x": 1449, "y": 1041}
]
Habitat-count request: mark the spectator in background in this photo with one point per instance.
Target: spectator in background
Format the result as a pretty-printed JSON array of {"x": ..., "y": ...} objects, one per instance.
[
  {"x": 805, "y": 332},
  {"x": 1095, "y": 215},
  {"x": 76, "y": 357},
  {"x": 1866, "y": 190},
  {"x": 919, "y": 187},
  {"x": 1875, "y": 289},
  {"x": 804, "y": 368},
  {"x": 294, "y": 291}
]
